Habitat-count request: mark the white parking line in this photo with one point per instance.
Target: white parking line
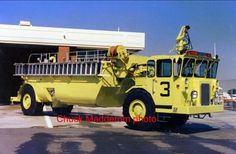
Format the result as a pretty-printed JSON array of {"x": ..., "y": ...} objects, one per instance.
[{"x": 47, "y": 118}]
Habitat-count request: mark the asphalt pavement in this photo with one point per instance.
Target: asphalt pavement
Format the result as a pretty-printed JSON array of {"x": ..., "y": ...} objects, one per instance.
[{"x": 30, "y": 134}]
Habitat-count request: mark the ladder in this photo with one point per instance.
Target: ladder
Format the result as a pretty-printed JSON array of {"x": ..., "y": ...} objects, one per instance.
[{"x": 88, "y": 63}]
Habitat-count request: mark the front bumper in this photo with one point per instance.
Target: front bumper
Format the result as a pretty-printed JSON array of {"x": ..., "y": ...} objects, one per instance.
[
  {"x": 189, "y": 110},
  {"x": 205, "y": 109},
  {"x": 15, "y": 99}
]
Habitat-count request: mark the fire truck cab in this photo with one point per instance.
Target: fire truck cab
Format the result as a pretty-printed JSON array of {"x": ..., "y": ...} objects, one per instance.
[{"x": 178, "y": 86}]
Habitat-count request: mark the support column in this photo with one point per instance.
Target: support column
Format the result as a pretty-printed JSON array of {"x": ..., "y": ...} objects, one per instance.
[{"x": 63, "y": 54}]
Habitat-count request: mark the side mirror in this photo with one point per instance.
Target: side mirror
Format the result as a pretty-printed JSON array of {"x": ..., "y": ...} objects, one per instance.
[{"x": 176, "y": 73}]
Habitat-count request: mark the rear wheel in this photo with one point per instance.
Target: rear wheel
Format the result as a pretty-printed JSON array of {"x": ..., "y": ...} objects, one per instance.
[
  {"x": 63, "y": 110},
  {"x": 139, "y": 108},
  {"x": 29, "y": 106}
]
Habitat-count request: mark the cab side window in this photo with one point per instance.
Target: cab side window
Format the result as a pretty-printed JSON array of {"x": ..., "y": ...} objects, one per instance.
[
  {"x": 151, "y": 68},
  {"x": 164, "y": 68}
]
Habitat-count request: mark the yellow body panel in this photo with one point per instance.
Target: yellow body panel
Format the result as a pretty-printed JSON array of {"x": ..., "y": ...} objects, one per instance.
[{"x": 86, "y": 91}]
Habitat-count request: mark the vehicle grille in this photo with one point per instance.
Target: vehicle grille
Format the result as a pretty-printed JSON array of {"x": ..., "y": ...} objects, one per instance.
[{"x": 205, "y": 98}]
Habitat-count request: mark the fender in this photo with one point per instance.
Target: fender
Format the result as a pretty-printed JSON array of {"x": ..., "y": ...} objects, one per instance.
[{"x": 37, "y": 98}]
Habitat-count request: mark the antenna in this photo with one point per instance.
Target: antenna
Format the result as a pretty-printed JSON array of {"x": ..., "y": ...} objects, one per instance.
[{"x": 214, "y": 49}]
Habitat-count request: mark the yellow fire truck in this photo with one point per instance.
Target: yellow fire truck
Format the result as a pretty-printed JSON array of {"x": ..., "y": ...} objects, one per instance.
[{"x": 167, "y": 87}]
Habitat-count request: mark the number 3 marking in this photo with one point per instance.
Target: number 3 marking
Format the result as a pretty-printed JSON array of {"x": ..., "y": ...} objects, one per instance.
[{"x": 167, "y": 89}]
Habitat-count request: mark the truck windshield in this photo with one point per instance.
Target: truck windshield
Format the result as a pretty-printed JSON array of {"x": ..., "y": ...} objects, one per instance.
[
  {"x": 188, "y": 66},
  {"x": 200, "y": 69},
  {"x": 212, "y": 69}
]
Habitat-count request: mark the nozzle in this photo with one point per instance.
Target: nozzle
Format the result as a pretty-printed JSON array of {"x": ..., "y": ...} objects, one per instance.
[{"x": 187, "y": 27}]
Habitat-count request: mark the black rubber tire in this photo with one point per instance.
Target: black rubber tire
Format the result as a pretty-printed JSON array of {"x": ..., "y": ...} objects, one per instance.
[
  {"x": 35, "y": 107},
  {"x": 62, "y": 110},
  {"x": 177, "y": 120},
  {"x": 142, "y": 95}
]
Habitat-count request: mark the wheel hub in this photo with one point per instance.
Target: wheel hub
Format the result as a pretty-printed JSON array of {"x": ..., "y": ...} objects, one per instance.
[
  {"x": 26, "y": 101},
  {"x": 137, "y": 110}
]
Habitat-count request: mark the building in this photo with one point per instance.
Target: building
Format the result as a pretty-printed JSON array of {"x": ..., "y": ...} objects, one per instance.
[{"x": 17, "y": 42}]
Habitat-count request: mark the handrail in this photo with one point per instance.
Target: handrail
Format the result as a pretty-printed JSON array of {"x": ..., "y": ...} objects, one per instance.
[{"x": 90, "y": 55}]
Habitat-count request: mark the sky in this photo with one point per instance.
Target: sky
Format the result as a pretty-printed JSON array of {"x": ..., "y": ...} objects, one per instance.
[{"x": 210, "y": 21}]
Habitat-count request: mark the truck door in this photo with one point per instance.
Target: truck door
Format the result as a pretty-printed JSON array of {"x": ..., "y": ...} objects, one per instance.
[{"x": 163, "y": 84}]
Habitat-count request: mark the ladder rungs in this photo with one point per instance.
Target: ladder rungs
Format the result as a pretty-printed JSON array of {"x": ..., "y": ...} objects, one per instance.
[{"x": 41, "y": 69}]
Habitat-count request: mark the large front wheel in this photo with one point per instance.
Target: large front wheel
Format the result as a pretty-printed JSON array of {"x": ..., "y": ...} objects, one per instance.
[{"x": 140, "y": 110}]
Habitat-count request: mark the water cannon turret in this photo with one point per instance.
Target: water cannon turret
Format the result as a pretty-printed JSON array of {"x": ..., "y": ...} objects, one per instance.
[{"x": 183, "y": 42}]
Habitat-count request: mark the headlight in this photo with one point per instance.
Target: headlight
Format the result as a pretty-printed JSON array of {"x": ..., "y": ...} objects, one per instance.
[
  {"x": 194, "y": 94},
  {"x": 218, "y": 98}
]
